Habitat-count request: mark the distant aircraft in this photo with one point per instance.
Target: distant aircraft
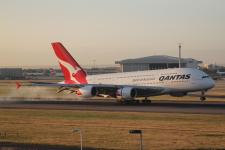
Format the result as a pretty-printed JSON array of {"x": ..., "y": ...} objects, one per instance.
[
  {"x": 220, "y": 73},
  {"x": 52, "y": 72},
  {"x": 127, "y": 86}
]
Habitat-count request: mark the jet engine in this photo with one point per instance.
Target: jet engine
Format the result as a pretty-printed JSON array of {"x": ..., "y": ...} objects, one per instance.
[
  {"x": 126, "y": 93},
  {"x": 87, "y": 91}
]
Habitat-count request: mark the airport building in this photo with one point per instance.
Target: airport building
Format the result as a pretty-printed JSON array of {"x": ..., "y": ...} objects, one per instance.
[
  {"x": 43, "y": 74},
  {"x": 11, "y": 73},
  {"x": 156, "y": 62},
  {"x": 56, "y": 74},
  {"x": 102, "y": 70}
]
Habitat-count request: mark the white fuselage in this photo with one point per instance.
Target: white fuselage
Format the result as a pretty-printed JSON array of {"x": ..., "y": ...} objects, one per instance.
[{"x": 174, "y": 80}]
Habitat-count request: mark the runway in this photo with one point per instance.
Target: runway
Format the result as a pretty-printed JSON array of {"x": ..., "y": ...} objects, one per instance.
[{"x": 110, "y": 105}]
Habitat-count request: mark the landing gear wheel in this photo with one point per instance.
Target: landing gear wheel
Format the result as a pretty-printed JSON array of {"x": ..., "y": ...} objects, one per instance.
[
  {"x": 119, "y": 101},
  {"x": 203, "y": 98},
  {"x": 146, "y": 101},
  {"x": 130, "y": 101}
]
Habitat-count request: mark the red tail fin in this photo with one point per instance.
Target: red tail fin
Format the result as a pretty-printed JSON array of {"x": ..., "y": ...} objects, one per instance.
[{"x": 73, "y": 73}]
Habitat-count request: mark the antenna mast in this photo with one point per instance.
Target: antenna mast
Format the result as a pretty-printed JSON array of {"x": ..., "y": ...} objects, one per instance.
[{"x": 179, "y": 55}]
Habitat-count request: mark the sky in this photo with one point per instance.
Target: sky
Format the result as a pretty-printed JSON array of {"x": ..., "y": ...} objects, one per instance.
[{"x": 105, "y": 31}]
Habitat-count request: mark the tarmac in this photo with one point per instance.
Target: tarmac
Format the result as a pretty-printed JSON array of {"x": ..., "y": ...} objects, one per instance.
[{"x": 157, "y": 106}]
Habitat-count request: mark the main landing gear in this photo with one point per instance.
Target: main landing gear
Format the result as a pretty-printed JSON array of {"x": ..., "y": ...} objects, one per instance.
[
  {"x": 146, "y": 101},
  {"x": 134, "y": 101},
  {"x": 203, "y": 98},
  {"x": 131, "y": 101}
]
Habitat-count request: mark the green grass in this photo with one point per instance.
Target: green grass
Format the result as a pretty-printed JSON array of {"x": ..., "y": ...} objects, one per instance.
[
  {"x": 95, "y": 115},
  {"x": 110, "y": 129}
]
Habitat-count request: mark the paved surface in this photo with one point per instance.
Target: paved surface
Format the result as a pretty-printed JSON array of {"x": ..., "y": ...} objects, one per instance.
[{"x": 101, "y": 105}]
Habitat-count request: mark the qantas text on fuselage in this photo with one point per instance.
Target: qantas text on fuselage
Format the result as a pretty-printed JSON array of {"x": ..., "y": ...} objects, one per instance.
[{"x": 175, "y": 77}]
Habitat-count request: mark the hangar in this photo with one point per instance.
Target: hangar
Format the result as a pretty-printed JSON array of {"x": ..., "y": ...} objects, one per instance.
[{"x": 156, "y": 62}]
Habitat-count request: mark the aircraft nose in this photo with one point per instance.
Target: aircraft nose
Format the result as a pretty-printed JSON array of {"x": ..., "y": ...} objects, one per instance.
[{"x": 211, "y": 83}]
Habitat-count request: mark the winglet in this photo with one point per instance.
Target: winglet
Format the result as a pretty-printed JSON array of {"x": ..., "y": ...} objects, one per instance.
[{"x": 18, "y": 84}]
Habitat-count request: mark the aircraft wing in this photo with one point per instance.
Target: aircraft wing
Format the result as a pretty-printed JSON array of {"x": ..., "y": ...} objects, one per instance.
[{"x": 107, "y": 89}]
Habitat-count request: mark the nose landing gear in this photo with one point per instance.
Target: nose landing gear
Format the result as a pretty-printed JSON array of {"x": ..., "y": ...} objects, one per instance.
[{"x": 203, "y": 98}]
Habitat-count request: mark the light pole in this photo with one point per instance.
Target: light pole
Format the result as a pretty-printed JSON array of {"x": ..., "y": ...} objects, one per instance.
[
  {"x": 138, "y": 132},
  {"x": 81, "y": 139},
  {"x": 179, "y": 55}
]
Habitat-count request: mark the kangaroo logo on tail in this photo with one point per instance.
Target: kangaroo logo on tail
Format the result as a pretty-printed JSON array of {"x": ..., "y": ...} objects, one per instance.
[{"x": 72, "y": 71}]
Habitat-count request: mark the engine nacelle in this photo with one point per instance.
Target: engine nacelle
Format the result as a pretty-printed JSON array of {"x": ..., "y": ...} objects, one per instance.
[
  {"x": 126, "y": 93},
  {"x": 87, "y": 91}
]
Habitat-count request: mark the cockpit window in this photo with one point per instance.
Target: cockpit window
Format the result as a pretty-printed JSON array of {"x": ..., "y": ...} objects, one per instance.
[{"x": 203, "y": 77}]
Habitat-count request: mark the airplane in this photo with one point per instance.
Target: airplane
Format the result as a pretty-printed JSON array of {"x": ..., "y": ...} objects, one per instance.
[
  {"x": 127, "y": 86},
  {"x": 220, "y": 73},
  {"x": 52, "y": 72}
]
